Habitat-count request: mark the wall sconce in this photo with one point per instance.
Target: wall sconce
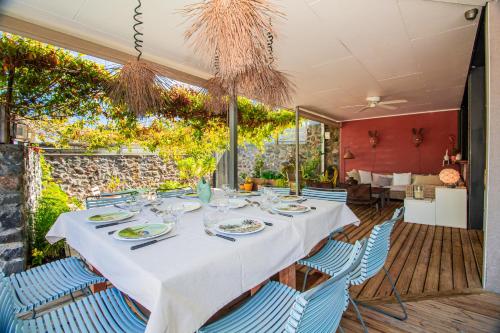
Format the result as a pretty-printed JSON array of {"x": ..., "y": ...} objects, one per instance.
[
  {"x": 418, "y": 136},
  {"x": 373, "y": 138}
]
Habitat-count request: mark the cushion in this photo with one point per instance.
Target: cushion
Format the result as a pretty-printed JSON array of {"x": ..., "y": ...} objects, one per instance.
[
  {"x": 401, "y": 179},
  {"x": 354, "y": 174},
  {"x": 381, "y": 180},
  {"x": 365, "y": 177},
  {"x": 427, "y": 180}
]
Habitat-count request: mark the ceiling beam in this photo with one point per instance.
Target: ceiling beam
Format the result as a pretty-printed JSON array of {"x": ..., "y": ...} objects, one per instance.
[
  {"x": 53, "y": 37},
  {"x": 465, "y": 2},
  {"x": 313, "y": 115}
]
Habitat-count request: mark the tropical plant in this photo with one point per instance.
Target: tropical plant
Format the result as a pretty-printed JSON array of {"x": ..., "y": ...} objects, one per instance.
[
  {"x": 258, "y": 166},
  {"x": 171, "y": 185}
]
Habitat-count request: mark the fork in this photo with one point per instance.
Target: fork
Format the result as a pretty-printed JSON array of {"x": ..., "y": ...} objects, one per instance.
[{"x": 208, "y": 232}]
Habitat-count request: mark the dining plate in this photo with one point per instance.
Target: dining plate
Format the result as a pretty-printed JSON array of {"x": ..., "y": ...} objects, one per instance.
[
  {"x": 189, "y": 206},
  {"x": 190, "y": 195},
  {"x": 290, "y": 198},
  {"x": 110, "y": 217},
  {"x": 240, "y": 226},
  {"x": 143, "y": 231},
  {"x": 246, "y": 194},
  {"x": 233, "y": 203},
  {"x": 291, "y": 208}
]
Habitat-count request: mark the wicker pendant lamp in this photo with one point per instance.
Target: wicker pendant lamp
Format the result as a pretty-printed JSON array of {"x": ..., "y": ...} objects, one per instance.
[
  {"x": 237, "y": 35},
  {"x": 137, "y": 84}
]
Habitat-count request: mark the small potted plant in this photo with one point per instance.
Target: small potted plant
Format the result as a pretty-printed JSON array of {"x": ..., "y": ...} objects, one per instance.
[
  {"x": 248, "y": 185},
  {"x": 243, "y": 177}
]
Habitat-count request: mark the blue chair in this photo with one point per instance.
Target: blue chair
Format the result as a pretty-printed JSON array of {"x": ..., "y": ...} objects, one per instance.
[
  {"x": 105, "y": 311},
  {"x": 278, "y": 190},
  {"x": 330, "y": 258},
  {"x": 172, "y": 193},
  {"x": 279, "y": 308},
  {"x": 46, "y": 283},
  {"x": 339, "y": 195},
  {"x": 109, "y": 199}
]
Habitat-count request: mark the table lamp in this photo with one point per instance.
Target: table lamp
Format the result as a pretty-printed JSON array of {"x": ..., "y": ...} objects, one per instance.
[{"x": 449, "y": 177}]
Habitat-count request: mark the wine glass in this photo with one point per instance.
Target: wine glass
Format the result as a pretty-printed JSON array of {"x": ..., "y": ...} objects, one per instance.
[
  {"x": 209, "y": 219},
  {"x": 177, "y": 211},
  {"x": 223, "y": 205}
]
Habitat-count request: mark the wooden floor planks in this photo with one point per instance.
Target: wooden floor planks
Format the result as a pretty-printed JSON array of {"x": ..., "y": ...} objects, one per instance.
[
  {"x": 424, "y": 260},
  {"x": 471, "y": 313}
]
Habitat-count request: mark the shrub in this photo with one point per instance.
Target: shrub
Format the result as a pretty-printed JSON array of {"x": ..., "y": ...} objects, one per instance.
[
  {"x": 53, "y": 201},
  {"x": 171, "y": 185}
]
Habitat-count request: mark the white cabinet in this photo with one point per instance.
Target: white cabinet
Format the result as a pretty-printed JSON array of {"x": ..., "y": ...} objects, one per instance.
[
  {"x": 451, "y": 207},
  {"x": 420, "y": 211}
]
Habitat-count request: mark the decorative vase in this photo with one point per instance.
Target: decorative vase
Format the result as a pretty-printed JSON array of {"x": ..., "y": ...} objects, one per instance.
[
  {"x": 204, "y": 191},
  {"x": 242, "y": 187},
  {"x": 458, "y": 157},
  {"x": 248, "y": 187}
]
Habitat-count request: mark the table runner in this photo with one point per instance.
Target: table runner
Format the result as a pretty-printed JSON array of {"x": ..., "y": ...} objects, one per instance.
[{"x": 184, "y": 280}]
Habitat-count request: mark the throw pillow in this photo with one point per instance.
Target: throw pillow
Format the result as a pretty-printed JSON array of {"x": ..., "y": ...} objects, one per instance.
[
  {"x": 354, "y": 174},
  {"x": 427, "y": 180},
  {"x": 384, "y": 181},
  {"x": 399, "y": 179},
  {"x": 365, "y": 177}
]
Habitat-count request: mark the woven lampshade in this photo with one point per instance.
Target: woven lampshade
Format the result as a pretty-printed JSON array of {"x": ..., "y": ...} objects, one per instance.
[{"x": 449, "y": 176}]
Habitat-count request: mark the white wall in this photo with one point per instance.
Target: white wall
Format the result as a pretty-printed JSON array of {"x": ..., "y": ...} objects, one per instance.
[{"x": 492, "y": 209}]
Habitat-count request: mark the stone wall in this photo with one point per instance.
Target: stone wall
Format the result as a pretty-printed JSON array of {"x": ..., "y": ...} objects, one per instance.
[
  {"x": 276, "y": 153},
  {"x": 77, "y": 173},
  {"x": 12, "y": 219}
]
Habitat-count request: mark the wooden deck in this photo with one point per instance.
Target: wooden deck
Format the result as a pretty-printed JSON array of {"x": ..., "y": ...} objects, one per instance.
[
  {"x": 468, "y": 314},
  {"x": 424, "y": 261}
]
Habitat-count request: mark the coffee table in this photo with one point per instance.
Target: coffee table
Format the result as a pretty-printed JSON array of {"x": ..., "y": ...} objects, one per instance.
[{"x": 382, "y": 193}]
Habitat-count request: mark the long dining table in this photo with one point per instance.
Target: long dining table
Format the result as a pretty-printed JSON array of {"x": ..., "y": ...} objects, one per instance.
[{"x": 186, "y": 279}]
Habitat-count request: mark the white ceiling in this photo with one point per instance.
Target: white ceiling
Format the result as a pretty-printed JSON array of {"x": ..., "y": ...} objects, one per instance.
[{"x": 337, "y": 52}]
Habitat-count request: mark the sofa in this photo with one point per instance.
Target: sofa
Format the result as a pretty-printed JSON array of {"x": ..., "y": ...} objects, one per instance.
[{"x": 399, "y": 183}]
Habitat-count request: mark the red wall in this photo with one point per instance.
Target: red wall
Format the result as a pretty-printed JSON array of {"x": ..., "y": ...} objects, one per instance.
[{"x": 395, "y": 151}]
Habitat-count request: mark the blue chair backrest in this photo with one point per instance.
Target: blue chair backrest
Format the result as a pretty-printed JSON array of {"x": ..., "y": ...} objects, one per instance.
[
  {"x": 399, "y": 214},
  {"x": 109, "y": 199},
  {"x": 339, "y": 195},
  {"x": 377, "y": 249},
  {"x": 278, "y": 190},
  {"x": 320, "y": 309},
  {"x": 172, "y": 193},
  {"x": 8, "y": 319}
]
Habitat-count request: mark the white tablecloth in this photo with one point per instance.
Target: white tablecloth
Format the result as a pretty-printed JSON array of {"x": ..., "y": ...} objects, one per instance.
[{"x": 184, "y": 280}]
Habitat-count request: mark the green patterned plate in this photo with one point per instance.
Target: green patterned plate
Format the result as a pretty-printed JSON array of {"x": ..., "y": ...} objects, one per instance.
[
  {"x": 110, "y": 217},
  {"x": 143, "y": 231}
]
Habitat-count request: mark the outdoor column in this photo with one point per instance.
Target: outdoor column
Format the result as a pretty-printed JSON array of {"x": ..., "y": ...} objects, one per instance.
[
  {"x": 233, "y": 142},
  {"x": 297, "y": 156},
  {"x": 492, "y": 199}
]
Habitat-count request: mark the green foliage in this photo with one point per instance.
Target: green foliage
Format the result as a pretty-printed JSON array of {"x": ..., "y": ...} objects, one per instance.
[
  {"x": 49, "y": 81},
  {"x": 282, "y": 182},
  {"x": 171, "y": 185},
  {"x": 66, "y": 94},
  {"x": 113, "y": 184},
  {"x": 258, "y": 166},
  {"x": 53, "y": 202},
  {"x": 271, "y": 174},
  {"x": 310, "y": 167}
]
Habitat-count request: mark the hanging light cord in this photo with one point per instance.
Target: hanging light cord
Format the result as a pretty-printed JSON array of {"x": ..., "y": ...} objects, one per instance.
[{"x": 138, "y": 35}]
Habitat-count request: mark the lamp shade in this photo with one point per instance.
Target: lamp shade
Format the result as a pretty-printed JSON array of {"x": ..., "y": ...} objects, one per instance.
[
  {"x": 348, "y": 155},
  {"x": 449, "y": 176}
]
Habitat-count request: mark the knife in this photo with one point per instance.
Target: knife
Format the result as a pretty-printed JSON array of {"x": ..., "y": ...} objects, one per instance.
[
  {"x": 269, "y": 224},
  {"x": 113, "y": 223},
  {"x": 284, "y": 214},
  {"x": 138, "y": 246}
]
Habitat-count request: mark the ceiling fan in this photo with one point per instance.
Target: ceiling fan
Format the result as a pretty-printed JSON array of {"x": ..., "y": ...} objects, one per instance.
[{"x": 375, "y": 101}]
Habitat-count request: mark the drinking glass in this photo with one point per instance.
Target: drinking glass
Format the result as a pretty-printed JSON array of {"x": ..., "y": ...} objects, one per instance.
[
  {"x": 177, "y": 211},
  {"x": 209, "y": 219},
  {"x": 223, "y": 205}
]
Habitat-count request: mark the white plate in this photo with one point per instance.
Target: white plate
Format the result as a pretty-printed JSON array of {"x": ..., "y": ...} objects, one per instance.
[
  {"x": 238, "y": 221},
  {"x": 281, "y": 208},
  {"x": 290, "y": 198},
  {"x": 111, "y": 216},
  {"x": 167, "y": 228},
  {"x": 233, "y": 203},
  {"x": 189, "y": 206}
]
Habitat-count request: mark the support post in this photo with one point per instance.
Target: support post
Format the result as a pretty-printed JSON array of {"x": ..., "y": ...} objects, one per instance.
[
  {"x": 297, "y": 156},
  {"x": 233, "y": 142}
]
